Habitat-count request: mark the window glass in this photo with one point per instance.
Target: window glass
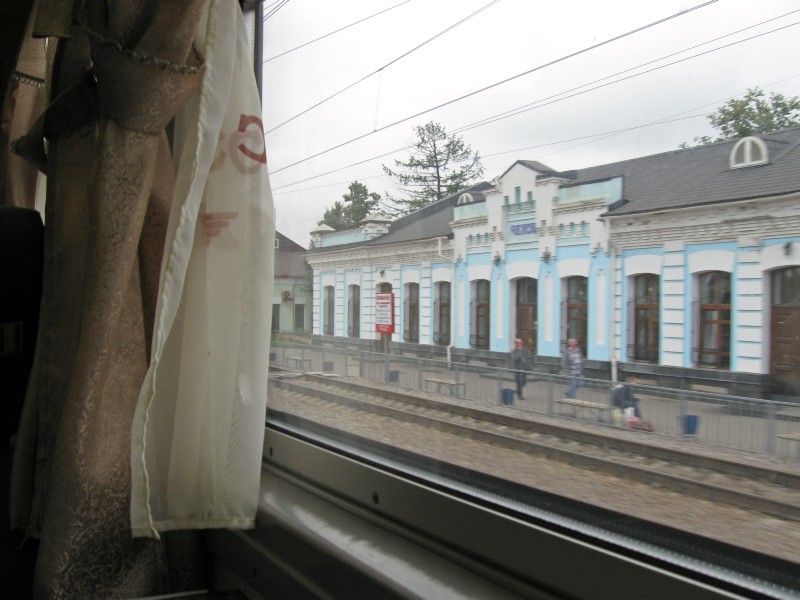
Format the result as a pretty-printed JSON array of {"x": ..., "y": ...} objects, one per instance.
[
  {"x": 675, "y": 268},
  {"x": 714, "y": 320}
]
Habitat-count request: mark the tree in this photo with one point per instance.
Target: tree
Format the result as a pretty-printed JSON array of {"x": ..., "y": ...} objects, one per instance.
[
  {"x": 439, "y": 166},
  {"x": 753, "y": 113},
  {"x": 358, "y": 203}
]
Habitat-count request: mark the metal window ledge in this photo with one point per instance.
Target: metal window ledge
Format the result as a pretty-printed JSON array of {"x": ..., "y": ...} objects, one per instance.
[{"x": 330, "y": 526}]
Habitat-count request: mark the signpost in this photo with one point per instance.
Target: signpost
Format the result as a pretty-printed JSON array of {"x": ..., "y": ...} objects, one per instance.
[{"x": 384, "y": 312}]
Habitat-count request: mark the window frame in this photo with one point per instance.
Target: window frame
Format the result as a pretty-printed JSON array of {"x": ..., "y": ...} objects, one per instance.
[
  {"x": 362, "y": 516},
  {"x": 441, "y": 312},
  {"x": 329, "y": 310},
  {"x": 576, "y": 312},
  {"x": 746, "y": 147},
  {"x": 649, "y": 304},
  {"x": 411, "y": 313},
  {"x": 529, "y": 311},
  {"x": 712, "y": 322},
  {"x": 354, "y": 311},
  {"x": 480, "y": 314}
]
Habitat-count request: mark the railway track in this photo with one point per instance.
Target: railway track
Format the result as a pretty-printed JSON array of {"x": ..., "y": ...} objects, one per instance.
[{"x": 626, "y": 455}]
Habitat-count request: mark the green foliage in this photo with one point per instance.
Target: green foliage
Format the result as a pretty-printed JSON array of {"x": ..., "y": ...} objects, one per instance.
[
  {"x": 439, "y": 166},
  {"x": 357, "y": 205},
  {"x": 752, "y": 114}
]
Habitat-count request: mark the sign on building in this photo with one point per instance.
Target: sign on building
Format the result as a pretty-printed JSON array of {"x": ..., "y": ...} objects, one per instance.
[{"x": 384, "y": 312}]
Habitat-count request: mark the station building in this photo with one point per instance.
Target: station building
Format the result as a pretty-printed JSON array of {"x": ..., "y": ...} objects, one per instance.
[{"x": 682, "y": 267}]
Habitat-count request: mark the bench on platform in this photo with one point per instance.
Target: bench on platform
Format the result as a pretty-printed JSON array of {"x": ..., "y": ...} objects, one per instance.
[
  {"x": 599, "y": 407},
  {"x": 459, "y": 387},
  {"x": 299, "y": 362}
]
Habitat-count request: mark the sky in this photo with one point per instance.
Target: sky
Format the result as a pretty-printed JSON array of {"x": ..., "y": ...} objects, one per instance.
[{"x": 592, "y": 83}]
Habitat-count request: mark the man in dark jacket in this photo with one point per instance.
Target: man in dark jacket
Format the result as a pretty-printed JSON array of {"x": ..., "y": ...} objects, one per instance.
[{"x": 520, "y": 362}]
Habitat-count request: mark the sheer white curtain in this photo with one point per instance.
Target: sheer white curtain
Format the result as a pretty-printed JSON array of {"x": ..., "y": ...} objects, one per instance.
[{"x": 199, "y": 421}]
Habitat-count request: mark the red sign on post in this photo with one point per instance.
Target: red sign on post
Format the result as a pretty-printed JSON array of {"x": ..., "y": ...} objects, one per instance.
[{"x": 384, "y": 312}]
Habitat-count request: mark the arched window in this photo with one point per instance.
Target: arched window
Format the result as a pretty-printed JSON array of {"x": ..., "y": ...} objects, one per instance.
[
  {"x": 354, "y": 311},
  {"x": 577, "y": 310},
  {"x": 644, "y": 318},
  {"x": 748, "y": 152},
  {"x": 527, "y": 312},
  {"x": 441, "y": 313},
  {"x": 411, "y": 313},
  {"x": 480, "y": 314},
  {"x": 328, "y": 311},
  {"x": 714, "y": 320}
]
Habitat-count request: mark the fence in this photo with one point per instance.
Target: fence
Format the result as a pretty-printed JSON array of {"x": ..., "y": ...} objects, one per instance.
[{"x": 754, "y": 425}]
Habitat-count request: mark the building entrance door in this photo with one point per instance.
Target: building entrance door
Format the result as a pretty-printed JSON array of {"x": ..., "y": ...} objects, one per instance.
[{"x": 785, "y": 332}]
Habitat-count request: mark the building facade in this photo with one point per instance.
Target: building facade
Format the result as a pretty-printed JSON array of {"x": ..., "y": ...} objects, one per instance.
[
  {"x": 682, "y": 267},
  {"x": 292, "y": 299}
]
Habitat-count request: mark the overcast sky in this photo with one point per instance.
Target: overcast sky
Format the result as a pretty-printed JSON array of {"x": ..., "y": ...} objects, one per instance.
[{"x": 508, "y": 38}]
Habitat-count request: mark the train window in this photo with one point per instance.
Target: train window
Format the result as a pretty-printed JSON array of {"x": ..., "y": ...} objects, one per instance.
[{"x": 674, "y": 441}]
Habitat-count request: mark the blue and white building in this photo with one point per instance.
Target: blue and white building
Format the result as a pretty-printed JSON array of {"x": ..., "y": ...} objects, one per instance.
[{"x": 683, "y": 267}]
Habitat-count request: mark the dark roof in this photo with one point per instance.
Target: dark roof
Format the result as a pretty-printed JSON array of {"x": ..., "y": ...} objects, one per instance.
[
  {"x": 428, "y": 222},
  {"x": 290, "y": 258},
  {"x": 534, "y": 165},
  {"x": 701, "y": 175},
  {"x": 284, "y": 243}
]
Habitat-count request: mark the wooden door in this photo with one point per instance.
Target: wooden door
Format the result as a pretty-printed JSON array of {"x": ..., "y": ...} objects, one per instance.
[
  {"x": 785, "y": 350},
  {"x": 785, "y": 332}
]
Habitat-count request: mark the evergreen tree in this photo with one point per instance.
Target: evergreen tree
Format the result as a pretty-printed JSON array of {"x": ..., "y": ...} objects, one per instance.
[
  {"x": 358, "y": 203},
  {"x": 439, "y": 166}
]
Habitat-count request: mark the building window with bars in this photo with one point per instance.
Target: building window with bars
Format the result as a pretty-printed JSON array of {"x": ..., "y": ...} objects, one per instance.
[
  {"x": 354, "y": 311},
  {"x": 480, "y": 314},
  {"x": 577, "y": 311},
  {"x": 441, "y": 314},
  {"x": 527, "y": 312},
  {"x": 411, "y": 313},
  {"x": 328, "y": 311},
  {"x": 714, "y": 320},
  {"x": 644, "y": 309}
]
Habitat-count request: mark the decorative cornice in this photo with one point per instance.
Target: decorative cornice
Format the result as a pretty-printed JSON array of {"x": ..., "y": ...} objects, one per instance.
[
  {"x": 469, "y": 222},
  {"x": 578, "y": 207}
]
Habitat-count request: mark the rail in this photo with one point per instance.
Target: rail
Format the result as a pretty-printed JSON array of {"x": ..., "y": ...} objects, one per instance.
[{"x": 761, "y": 426}]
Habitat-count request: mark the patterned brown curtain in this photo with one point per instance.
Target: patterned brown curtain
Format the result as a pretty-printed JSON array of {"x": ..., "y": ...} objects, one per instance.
[{"x": 120, "y": 72}]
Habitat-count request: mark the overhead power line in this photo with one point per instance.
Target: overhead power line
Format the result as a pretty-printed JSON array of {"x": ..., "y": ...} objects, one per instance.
[
  {"x": 540, "y": 102},
  {"x": 402, "y": 56},
  {"x": 336, "y": 31},
  {"x": 545, "y": 144},
  {"x": 716, "y": 102},
  {"x": 488, "y": 87},
  {"x": 280, "y": 5}
]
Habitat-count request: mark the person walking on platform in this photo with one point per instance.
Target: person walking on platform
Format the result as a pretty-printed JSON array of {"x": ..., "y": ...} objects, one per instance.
[
  {"x": 573, "y": 366},
  {"x": 520, "y": 362}
]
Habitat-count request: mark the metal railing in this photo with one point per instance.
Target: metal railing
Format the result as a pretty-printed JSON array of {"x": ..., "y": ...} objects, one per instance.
[{"x": 748, "y": 424}]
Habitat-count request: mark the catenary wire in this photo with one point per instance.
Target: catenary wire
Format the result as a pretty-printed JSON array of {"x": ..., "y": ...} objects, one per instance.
[
  {"x": 562, "y": 98},
  {"x": 271, "y": 13},
  {"x": 663, "y": 121},
  {"x": 594, "y": 138},
  {"x": 402, "y": 56},
  {"x": 532, "y": 105},
  {"x": 334, "y": 32},
  {"x": 485, "y": 88},
  {"x": 606, "y": 134}
]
